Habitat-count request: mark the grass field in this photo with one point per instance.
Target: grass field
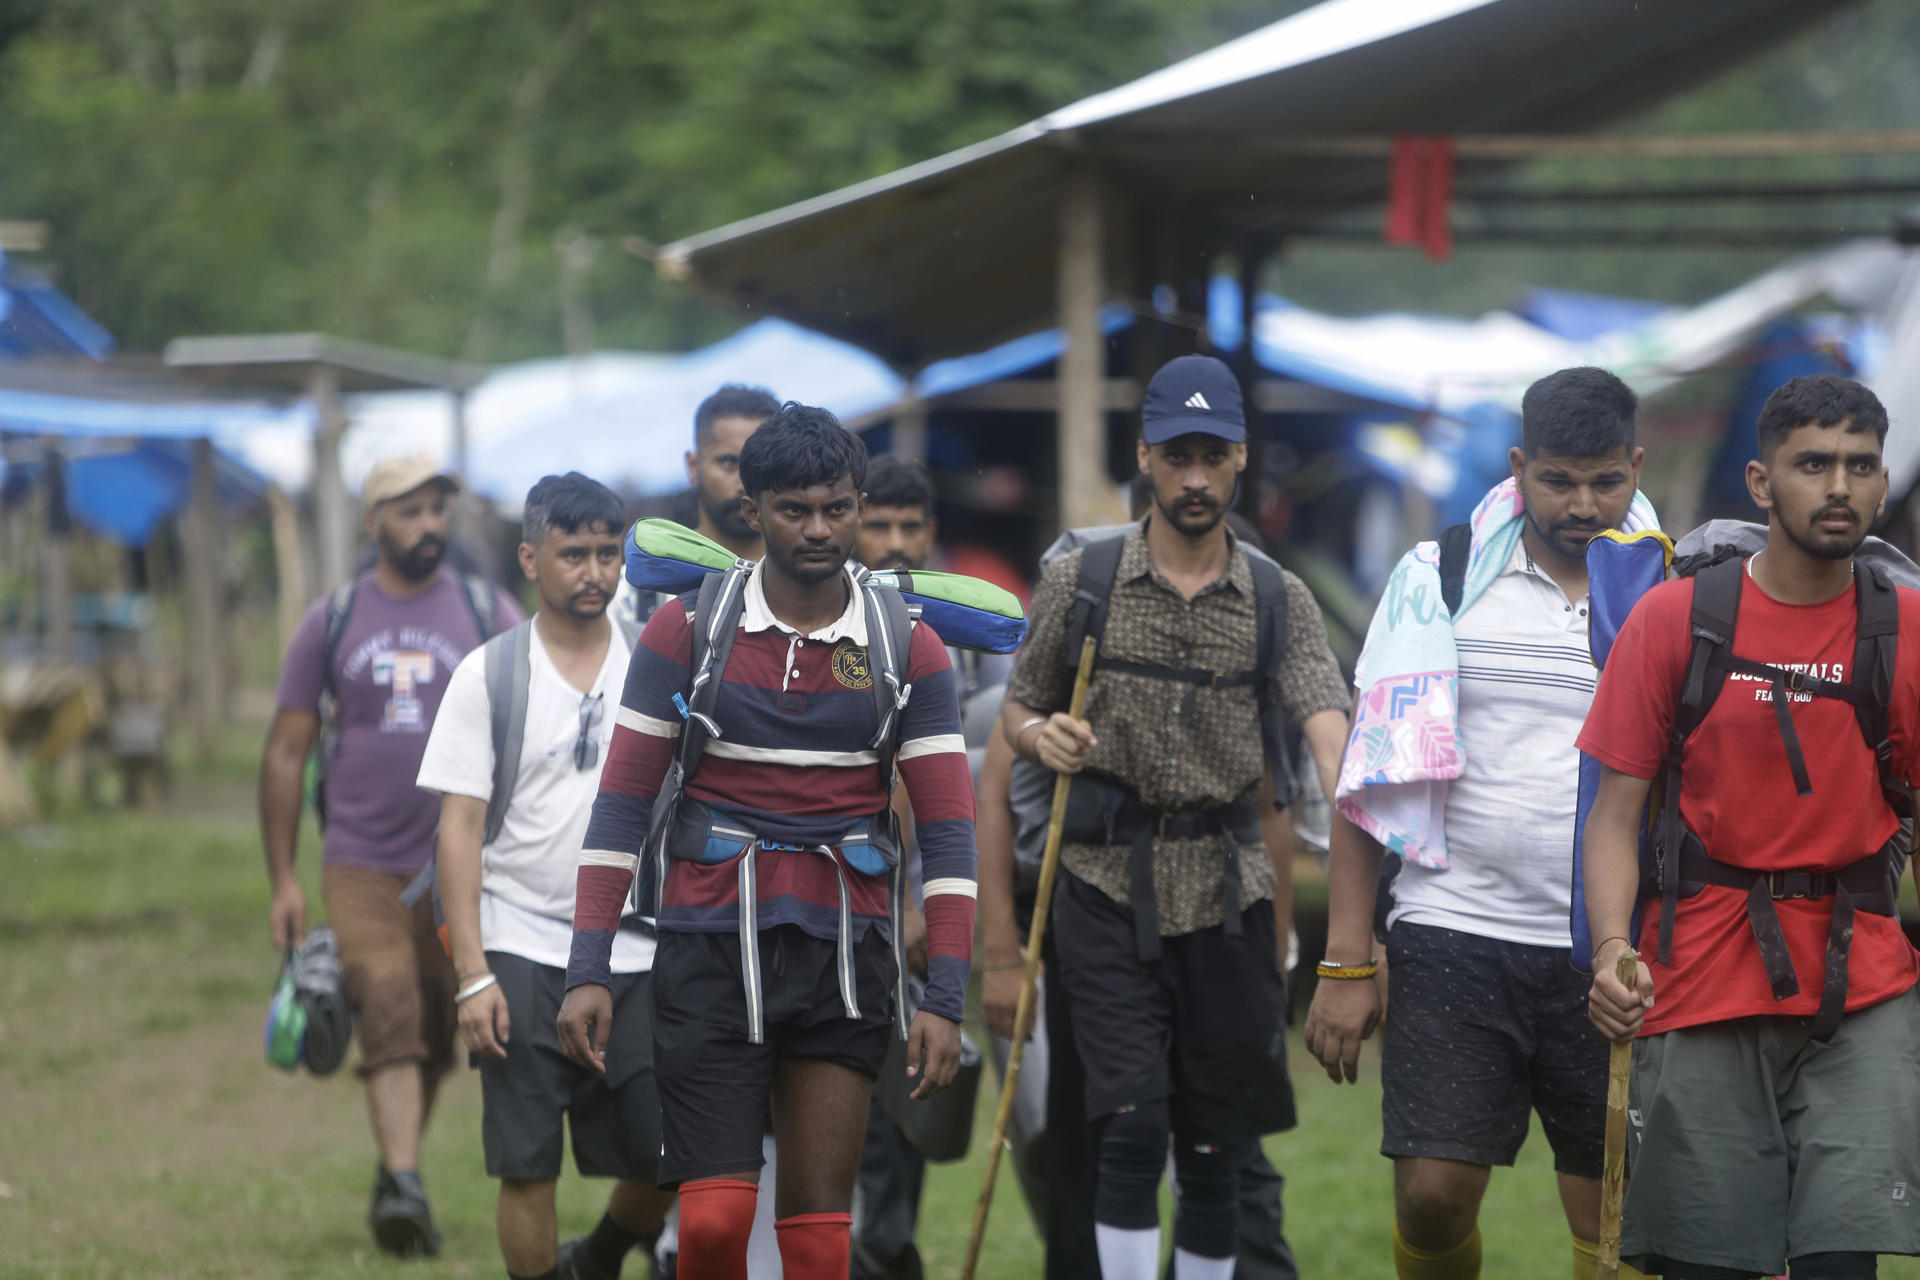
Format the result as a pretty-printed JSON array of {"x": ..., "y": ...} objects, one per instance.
[{"x": 142, "y": 1133}]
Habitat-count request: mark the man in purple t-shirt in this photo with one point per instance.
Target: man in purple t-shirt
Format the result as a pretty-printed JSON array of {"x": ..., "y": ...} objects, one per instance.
[{"x": 397, "y": 634}]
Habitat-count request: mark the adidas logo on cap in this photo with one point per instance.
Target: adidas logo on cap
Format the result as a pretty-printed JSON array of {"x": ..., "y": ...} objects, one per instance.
[{"x": 1198, "y": 401}]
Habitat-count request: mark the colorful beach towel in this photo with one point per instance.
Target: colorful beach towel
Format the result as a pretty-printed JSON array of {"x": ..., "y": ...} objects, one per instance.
[{"x": 1405, "y": 745}]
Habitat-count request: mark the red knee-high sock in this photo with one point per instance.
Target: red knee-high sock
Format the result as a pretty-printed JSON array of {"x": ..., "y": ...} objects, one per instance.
[
  {"x": 814, "y": 1246},
  {"x": 716, "y": 1219}
]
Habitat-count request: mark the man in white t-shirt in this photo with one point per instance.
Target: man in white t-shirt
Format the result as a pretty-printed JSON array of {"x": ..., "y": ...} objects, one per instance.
[
  {"x": 506, "y": 877},
  {"x": 1486, "y": 1013}
]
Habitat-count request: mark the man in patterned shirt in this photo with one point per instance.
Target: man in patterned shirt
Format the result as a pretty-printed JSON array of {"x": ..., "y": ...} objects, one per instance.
[
  {"x": 1166, "y": 938},
  {"x": 795, "y": 910}
]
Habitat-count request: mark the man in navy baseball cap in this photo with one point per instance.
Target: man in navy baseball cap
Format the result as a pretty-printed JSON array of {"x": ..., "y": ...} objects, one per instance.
[{"x": 1193, "y": 393}]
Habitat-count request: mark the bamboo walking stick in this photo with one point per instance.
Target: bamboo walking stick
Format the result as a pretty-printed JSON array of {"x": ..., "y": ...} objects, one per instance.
[
  {"x": 1613, "y": 1171},
  {"x": 1023, "y": 1012}
]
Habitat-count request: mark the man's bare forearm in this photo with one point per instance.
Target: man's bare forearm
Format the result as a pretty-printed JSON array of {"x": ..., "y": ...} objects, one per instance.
[
  {"x": 280, "y": 786},
  {"x": 458, "y": 865},
  {"x": 993, "y": 837},
  {"x": 1353, "y": 882},
  {"x": 1610, "y": 855}
]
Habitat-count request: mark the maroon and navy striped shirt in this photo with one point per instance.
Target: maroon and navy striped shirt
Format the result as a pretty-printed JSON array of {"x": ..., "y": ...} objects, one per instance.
[{"x": 796, "y": 714}]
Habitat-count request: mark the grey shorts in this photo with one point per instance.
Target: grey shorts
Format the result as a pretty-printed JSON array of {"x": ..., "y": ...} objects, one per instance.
[
  {"x": 525, "y": 1096},
  {"x": 1748, "y": 1145}
]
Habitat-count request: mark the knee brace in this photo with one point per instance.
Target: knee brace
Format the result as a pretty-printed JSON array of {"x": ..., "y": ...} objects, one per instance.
[
  {"x": 716, "y": 1221},
  {"x": 1133, "y": 1155},
  {"x": 1207, "y": 1219}
]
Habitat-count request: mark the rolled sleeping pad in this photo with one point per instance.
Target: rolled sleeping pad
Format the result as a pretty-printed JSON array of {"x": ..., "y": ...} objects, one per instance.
[
  {"x": 671, "y": 558},
  {"x": 1621, "y": 567}
]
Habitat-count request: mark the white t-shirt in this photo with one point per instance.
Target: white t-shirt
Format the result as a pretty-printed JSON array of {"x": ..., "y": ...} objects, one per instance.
[
  {"x": 527, "y": 875},
  {"x": 1526, "y": 681}
]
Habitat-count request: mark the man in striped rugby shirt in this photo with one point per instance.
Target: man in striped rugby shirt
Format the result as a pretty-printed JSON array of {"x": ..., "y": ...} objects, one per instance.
[{"x": 780, "y": 994}]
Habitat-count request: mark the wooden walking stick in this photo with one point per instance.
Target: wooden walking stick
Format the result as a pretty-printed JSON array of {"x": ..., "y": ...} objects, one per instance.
[
  {"x": 1613, "y": 1171},
  {"x": 1023, "y": 1012}
]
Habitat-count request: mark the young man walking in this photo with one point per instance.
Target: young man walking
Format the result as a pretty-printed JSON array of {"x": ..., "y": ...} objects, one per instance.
[
  {"x": 507, "y": 864},
  {"x": 721, "y": 426},
  {"x": 1486, "y": 1019},
  {"x": 776, "y": 968},
  {"x": 898, "y": 530},
  {"x": 1775, "y": 1105},
  {"x": 1014, "y": 803},
  {"x": 1166, "y": 941},
  {"x": 364, "y": 674}
]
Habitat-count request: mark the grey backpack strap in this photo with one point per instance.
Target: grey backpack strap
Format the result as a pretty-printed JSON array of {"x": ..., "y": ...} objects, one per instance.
[
  {"x": 889, "y": 642},
  {"x": 509, "y": 667}
]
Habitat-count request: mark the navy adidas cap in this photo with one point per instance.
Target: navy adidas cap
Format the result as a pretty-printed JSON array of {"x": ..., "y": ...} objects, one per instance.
[{"x": 1189, "y": 394}]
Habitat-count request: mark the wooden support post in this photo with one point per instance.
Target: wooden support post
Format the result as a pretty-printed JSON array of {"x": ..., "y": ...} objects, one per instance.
[
  {"x": 332, "y": 516},
  {"x": 910, "y": 429},
  {"x": 1081, "y": 439},
  {"x": 56, "y": 564},
  {"x": 289, "y": 562},
  {"x": 200, "y": 545}
]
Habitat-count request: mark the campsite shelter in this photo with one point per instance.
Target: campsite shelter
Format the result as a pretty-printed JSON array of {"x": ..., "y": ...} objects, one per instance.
[
  {"x": 1131, "y": 197},
  {"x": 322, "y": 367}
]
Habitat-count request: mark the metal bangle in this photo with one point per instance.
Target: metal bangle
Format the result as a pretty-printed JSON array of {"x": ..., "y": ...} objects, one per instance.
[
  {"x": 469, "y": 993},
  {"x": 1020, "y": 734}
]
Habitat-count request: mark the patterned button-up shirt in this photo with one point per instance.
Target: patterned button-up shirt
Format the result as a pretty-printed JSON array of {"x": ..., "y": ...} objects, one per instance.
[{"x": 1178, "y": 746}]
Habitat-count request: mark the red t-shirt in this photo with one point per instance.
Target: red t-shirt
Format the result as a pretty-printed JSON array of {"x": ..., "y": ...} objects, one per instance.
[{"x": 1737, "y": 795}]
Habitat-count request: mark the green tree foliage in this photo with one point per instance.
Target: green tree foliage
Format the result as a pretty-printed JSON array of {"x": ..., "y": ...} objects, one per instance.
[
  {"x": 458, "y": 176},
  {"x": 411, "y": 171}
]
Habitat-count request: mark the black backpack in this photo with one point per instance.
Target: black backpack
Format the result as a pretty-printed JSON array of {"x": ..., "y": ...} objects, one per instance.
[
  {"x": 1678, "y": 864},
  {"x": 1093, "y": 587}
]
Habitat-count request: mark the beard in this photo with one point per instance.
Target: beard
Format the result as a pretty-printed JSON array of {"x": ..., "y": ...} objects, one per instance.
[
  {"x": 726, "y": 518},
  {"x": 1823, "y": 544},
  {"x": 418, "y": 562},
  {"x": 1568, "y": 538},
  {"x": 1193, "y": 515},
  {"x": 893, "y": 560}
]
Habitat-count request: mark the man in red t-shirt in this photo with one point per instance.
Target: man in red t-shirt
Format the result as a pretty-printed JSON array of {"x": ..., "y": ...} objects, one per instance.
[{"x": 1755, "y": 1139}]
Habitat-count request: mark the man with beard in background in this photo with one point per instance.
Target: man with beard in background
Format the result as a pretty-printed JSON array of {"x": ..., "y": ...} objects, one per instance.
[
  {"x": 363, "y": 677},
  {"x": 721, "y": 426}
]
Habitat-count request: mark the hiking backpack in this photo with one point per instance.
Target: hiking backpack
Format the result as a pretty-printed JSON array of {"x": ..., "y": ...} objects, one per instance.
[{"x": 714, "y": 621}]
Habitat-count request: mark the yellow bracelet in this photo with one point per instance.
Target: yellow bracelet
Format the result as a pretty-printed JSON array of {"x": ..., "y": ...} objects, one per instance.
[{"x": 1346, "y": 972}]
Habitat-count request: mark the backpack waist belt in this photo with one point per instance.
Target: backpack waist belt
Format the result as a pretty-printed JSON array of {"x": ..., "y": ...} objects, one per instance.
[
  {"x": 1107, "y": 813},
  {"x": 750, "y": 930},
  {"x": 1866, "y": 885}
]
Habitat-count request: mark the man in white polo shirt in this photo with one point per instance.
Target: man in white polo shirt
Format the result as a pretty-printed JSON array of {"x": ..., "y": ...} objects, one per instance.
[
  {"x": 1486, "y": 1016},
  {"x": 515, "y": 753}
]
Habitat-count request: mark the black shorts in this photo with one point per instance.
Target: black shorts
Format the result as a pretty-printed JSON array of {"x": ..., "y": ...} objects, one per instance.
[
  {"x": 715, "y": 1084},
  {"x": 615, "y": 1118},
  {"x": 1479, "y": 1033},
  {"x": 1203, "y": 1027}
]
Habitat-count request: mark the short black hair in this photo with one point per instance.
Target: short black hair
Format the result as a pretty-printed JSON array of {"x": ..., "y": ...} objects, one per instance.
[
  {"x": 733, "y": 400},
  {"x": 1823, "y": 398},
  {"x": 798, "y": 447},
  {"x": 892, "y": 482},
  {"x": 1577, "y": 413},
  {"x": 570, "y": 503}
]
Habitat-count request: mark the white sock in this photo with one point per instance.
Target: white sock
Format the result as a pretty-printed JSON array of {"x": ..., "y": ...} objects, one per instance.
[
  {"x": 1191, "y": 1266},
  {"x": 1127, "y": 1254}
]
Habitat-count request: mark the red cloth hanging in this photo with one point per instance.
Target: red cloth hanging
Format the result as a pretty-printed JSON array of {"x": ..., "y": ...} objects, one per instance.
[{"x": 1420, "y": 194}]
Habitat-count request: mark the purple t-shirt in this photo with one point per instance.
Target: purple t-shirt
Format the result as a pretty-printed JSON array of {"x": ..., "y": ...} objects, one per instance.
[{"x": 390, "y": 670}]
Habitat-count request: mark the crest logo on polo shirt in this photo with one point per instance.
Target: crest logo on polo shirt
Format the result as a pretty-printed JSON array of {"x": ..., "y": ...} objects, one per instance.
[{"x": 850, "y": 666}]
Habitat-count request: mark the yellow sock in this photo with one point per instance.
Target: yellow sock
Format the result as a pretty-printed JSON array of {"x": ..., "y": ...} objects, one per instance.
[
  {"x": 1461, "y": 1262},
  {"x": 1586, "y": 1258}
]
